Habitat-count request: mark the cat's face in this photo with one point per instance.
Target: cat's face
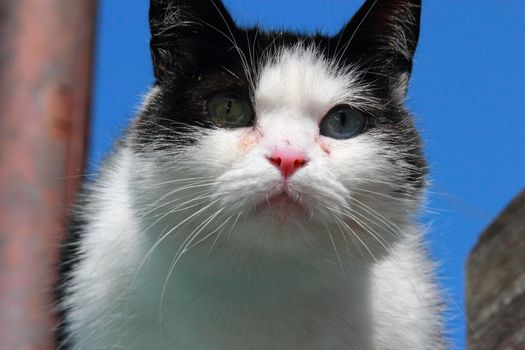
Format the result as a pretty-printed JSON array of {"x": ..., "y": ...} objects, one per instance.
[{"x": 291, "y": 134}]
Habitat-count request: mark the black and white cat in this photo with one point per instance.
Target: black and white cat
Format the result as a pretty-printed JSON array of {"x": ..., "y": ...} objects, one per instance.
[{"x": 264, "y": 197}]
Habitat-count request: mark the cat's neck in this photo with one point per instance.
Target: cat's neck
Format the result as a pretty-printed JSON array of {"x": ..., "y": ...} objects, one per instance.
[{"x": 258, "y": 291}]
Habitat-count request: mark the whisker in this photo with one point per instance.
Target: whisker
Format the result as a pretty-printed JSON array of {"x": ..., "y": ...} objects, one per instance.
[
  {"x": 347, "y": 44},
  {"x": 182, "y": 250},
  {"x": 389, "y": 225},
  {"x": 335, "y": 250},
  {"x": 209, "y": 234},
  {"x": 342, "y": 222},
  {"x": 217, "y": 238}
]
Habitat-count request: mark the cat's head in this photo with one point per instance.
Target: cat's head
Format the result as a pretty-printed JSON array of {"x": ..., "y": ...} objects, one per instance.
[{"x": 289, "y": 133}]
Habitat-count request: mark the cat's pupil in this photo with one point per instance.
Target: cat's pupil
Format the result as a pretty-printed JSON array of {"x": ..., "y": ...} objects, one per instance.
[
  {"x": 230, "y": 110},
  {"x": 342, "y": 122}
]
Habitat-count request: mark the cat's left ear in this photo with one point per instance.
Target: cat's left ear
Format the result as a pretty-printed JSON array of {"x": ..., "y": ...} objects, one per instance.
[{"x": 382, "y": 38}]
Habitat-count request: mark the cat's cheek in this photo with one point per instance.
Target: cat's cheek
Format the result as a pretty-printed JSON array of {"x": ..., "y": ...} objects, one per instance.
[
  {"x": 250, "y": 138},
  {"x": 324, "y": 144}
]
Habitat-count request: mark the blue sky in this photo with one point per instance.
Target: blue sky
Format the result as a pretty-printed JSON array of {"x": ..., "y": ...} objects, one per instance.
[{"x": 467, "y": 93}]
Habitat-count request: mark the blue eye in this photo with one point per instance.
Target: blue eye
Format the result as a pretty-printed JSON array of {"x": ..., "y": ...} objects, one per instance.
[{"x": 342, "y": 122}]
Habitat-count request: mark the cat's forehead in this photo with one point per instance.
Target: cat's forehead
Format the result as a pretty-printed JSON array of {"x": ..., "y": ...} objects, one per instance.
[{"x": 303, "y": 79}]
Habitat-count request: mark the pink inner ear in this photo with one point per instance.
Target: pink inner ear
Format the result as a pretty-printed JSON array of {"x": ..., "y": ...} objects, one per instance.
[{"x": 288, "y": 161}]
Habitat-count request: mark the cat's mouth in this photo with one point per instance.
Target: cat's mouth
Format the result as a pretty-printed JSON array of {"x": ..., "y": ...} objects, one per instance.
[
  {"x": 282, "y": 199},
  {"x": 282, "y": 205}
]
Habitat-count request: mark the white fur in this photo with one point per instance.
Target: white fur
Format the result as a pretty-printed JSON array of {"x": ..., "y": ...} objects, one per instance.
[{"x": 185, "y": 254}]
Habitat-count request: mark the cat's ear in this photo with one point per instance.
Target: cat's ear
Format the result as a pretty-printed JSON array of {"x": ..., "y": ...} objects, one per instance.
[
  {"x": 181, "y": 30},
  {"x": 382, "y": 36}
]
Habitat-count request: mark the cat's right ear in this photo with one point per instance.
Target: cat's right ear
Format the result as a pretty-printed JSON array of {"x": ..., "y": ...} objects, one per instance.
[{"x": 183, "y": 30}]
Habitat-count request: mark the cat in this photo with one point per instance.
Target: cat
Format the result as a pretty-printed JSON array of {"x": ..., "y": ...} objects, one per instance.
[{"x": 265, "y": 196}]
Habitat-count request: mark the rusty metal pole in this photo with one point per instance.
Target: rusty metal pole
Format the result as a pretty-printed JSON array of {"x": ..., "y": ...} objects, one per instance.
[{"x": 45, "y": 76}]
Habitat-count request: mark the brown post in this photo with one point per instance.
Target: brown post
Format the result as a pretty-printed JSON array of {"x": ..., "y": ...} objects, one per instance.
[
  {"x": 45, "y": 74},
  {"x": 496, "y": 283}
]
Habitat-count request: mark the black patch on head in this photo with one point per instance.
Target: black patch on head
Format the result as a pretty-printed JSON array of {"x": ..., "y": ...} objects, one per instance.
[{"x": 198, "y": 51}]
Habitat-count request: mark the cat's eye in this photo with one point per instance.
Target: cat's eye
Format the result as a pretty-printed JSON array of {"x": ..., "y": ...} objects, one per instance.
[
  {"x": 230, "y": 110},
  {"x": 343, "y": 122}
]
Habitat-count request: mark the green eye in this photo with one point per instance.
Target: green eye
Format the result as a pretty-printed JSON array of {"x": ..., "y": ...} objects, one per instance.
[{"x": 230, "y": 110}]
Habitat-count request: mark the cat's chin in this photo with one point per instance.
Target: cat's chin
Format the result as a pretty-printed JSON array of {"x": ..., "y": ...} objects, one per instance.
[{"x": 282, "y": 207}]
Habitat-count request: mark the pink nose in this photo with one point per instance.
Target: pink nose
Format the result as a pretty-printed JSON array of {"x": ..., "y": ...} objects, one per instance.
[{"x": 288, "y": 161}]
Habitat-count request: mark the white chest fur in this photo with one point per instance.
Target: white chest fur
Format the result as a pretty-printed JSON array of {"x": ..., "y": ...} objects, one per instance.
[{"x": 231, "y": 300}]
